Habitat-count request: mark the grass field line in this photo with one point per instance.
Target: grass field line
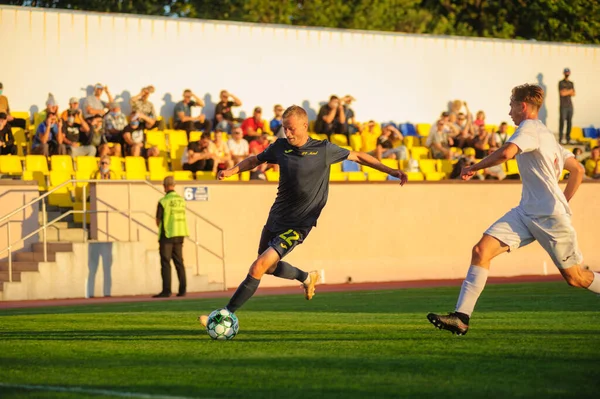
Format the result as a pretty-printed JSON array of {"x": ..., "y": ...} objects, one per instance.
[{"x": 104, "y": 392}]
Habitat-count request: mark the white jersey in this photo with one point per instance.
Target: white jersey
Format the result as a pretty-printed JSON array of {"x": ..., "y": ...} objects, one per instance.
[{"x": 541, "y": 161}]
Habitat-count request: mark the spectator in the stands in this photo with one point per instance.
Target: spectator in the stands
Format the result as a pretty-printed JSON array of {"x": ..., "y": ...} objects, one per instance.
[
  {"x": 458, "y": 106},
  {"x": 73, "y": 110},
  {"x": 5, "y": 108},
  {"x": 238, "y": 147},
  {"x": 331, "y": 118},
  {"x": 481, "y": 142},
  {"x": 256, "y": 147},
  {"x": 134, "y": 138},
  {"x": 439, "y": 141},
  {"x": 223, "y": 116},
  {"x": 494, "y": 172},
  {"x": 253, "y": 127},
  {"x": 276, "y": 124},
  {"x": 592, "y": 164},
  {"x": 7, "y": 141},
  {"x": 139, "y": 103},
  {"x": 501, "y": 136},
  {"x": 182, "y": 115},
  {"x": 479, "y": 119},
  {"x": 74, "y": 132},
  {"x": 97, "y": 138},
  {"x": 389, "y": 144},
  {"x": 51, "y": 108},
  {"x": 225, "y": 161},
  {"x": 351, "y": 126},
  {"x": 114, "y": 123},
  {"x": 45, "y": 142},
  {"x": 578, "y": 153},
  {"x": 104, "y": 172},
  {"x": 93, "y": 105},
  {"x": 201, "y": 155}
]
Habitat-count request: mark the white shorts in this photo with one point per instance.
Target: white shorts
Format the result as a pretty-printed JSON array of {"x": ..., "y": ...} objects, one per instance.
[{"x": 554, "y": 233}]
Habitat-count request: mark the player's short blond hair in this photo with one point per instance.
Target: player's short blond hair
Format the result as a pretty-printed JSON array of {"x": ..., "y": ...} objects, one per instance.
[
  {"x": 528, "y": 93},
  {"x": 296, "y": 111}
]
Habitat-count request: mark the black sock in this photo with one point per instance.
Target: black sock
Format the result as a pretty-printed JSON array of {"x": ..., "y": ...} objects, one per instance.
[
  {"x": 244, "y": 292},
  {"x": 463, "y": 317},
  {"x": 289, "y": 272}
]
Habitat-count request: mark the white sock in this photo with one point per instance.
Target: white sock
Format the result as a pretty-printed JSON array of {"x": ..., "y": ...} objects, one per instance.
[
  {"x": 471, "y": 289},
  {"x": 595, "y": 286}
]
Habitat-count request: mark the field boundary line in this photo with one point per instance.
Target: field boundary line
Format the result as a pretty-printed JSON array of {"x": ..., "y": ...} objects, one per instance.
[{"x": 91, "y": 391}]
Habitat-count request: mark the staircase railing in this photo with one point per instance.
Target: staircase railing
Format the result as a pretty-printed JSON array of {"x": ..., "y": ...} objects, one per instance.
[{"x": 5, "y": 220}]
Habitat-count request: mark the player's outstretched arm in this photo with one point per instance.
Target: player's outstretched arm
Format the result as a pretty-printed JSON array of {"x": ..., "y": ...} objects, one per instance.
[
  {"x": 576, "y": 172},
  {"x": 503, "y": 154},
  {"x": 369, "y": 160},
  {"x": 247, "y": 164}
]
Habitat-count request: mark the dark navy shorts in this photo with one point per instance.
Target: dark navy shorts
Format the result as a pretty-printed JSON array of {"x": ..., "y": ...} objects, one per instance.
[{"x": 281, "y": 241}]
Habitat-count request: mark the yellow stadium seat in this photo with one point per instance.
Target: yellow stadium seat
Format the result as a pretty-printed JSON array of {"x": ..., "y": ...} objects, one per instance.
[
  {"x": 158, "y": 168},
  {"x": 469, "y": 152},
  {"x": 176, "y": 158},
  {"x": 62, "y": 196},
  {"x": 267, "y": 126},
  {"x": 272, "y": 175},
  {"x": 433, "y": 176},
  {"x": 116, "y": 165},
  {"x": 369, "y": 139},
  {"x": 21, "y": 115},
  {"x": 233, "y": 178},
  {"x": 11, "y": 165},
  {"x": 390, "y": 163},
  {"x": 491, "y": 128},
  {"x": 195, "y": 136},
  {"x": 205, "y": 176},
  {"x": 156, "y": 138},
  {"x": 36, "y": 168},
  {"x": 446, "y": 166},
  {"x": 63, "y": 163},
  {"x": 336, "y": 167},
  {"x": 512, "y": 168},
  {"x": 318, "y": 136},
  {"x": 510, "y": 130},
  {"x": 563, "y": 174},
  {"x": 576, "y": 133},
  {"x": 419, "y": 153},
  {"x": 414, "y": 176},
  {"x": 593, "y": 143},
  {"x": 410, "y": 141},
  {"x": 375, "y": 175},
  {"x": 86, "y": 165},
  {"x": 339, "y": 139},
  {"x": 135, "y": 168},
  {"x": 20, "y": 141},
  {"x": 171, "y": 124},
  {"x": 356, "y": 142},
  {"x": 82, "y": 175},
  {"x": 423, "y": 129},
  {"x": 177, "y": 138},
  {"x": 78, "y": 217},
  {"x": 356, "y": 176},
  {"x": 245, "y": 176},
  {"x": 428, "y": 165},
  {"x": 402, "y": 164},
  {"x": 456, "y": 150},
  {"x": 346, "y": 147},
  {"x": 337, "y": 176},
  {"x": 183, "y": 175}
]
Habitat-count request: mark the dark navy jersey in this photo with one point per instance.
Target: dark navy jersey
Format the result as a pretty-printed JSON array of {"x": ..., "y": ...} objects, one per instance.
[{"x": 303, "y": 181}]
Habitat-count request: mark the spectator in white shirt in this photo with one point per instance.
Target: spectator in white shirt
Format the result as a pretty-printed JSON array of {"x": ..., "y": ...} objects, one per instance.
[{"x": 237, "y": 145}]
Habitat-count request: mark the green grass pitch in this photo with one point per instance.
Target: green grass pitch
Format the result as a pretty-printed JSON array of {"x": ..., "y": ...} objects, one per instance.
[{"x": 526, "y": 340}]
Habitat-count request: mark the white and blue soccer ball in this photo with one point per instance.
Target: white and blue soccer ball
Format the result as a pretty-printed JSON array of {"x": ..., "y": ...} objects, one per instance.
[{"x": 222, "y": 324}]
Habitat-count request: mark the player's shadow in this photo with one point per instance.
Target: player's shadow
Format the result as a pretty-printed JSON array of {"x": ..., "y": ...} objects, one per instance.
[{"x": 543, "y": 114}]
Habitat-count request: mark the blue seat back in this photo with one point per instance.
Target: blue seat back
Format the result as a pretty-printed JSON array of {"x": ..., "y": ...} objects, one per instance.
[
  {"x": 408, "y": 129},
  {"x": 349, "y": 166}
]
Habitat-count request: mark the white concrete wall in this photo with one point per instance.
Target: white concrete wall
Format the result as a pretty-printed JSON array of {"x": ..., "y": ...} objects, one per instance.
[{"x": 395, "y": 77}]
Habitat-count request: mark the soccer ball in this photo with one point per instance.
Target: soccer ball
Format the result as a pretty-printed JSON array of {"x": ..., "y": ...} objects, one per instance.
[{"x": 222, "y": 324}]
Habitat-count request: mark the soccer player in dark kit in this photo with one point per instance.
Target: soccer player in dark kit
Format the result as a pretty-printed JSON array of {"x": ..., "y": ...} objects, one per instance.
[{"x": 302, "y": 193}]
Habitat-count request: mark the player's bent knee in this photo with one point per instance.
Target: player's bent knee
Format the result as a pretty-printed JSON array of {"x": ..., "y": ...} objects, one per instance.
[{"x": 479, "y": 254}]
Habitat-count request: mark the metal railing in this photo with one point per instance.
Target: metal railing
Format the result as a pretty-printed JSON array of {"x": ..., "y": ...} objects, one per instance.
[{"x": 5, "y": 220}]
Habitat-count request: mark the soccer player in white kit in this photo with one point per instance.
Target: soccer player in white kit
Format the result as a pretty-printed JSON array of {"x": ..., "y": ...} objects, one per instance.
[{"x": 543, "y": 213}]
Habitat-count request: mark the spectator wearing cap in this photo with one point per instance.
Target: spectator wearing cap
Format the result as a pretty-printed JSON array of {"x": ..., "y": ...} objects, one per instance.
[
  {"x": 277, "y": 121},
  {"x": 97, "y": 138},
  {"x": 5, "y": 108},
  {"x": 140, "y": 104},
  {"x": 73, "y": 111},
  {"x": 253, "y": 127},
  {"x": 331, "y": 118},
  {"x": 566, "y": 89},
  {"x": 182, "y": 114},
  {"x": 114, "y": 123},
  {"x": 93, "y": 105},
  {"x": 134, "y": 137},
  {"x": 7, "y": 141},
  {"x": 45, "y": 142},
  {"x": 51, "y": 107},
  {"x": 238, "y": 147},
  {"x": 74, "y": 134}
]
